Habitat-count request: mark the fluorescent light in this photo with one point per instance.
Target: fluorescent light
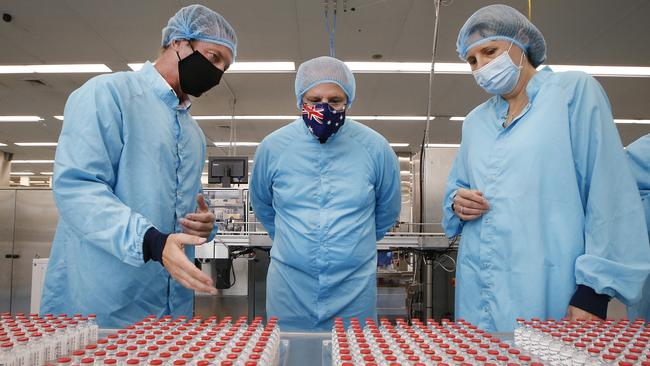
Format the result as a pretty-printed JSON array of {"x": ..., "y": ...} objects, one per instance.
[
  {"x": 246, "y": 67},
  {"x": 409, "y": 67},
  {"x": 390, "y": 118},
  {"x": 464, "y": 68},
  {"x": 452, "y": 68},
  {"x": 399, "y": 144},
  {"x": 54, "y": 69},
  {"x": 457, "y": 118},
  {"x": 47, "y": 173},
  {"x": 1, "y": 144},
  {"x": 404, "y": 158},
  {"x": 250, "y": 161},
  {"x": 32, "y": 161},
  {"x": 226, "y": 144},
  {"x": 443, "y": 145},
  {"x": 15, "y": 69},
  {"x": 60, "y": 118},
  {"x": 20, "y": 119},
  {"x": 633, "y": 121},
  {"x": 21, "y": 173},
  {"x": 35, "y": 143},
  {"x": 245, "y": 117},
  {"x": 624, "y": 71},
  {"x": 389, "y": 67},
  {"x": 405, "y": 172}
]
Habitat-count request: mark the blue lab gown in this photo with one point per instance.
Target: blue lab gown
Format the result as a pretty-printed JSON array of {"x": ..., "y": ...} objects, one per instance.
[
  {"x": 638, "y": 154},
  {"x": 564, "y": 209},
  {"x": 325, "y": 206},
  {"x": 129, "y": 158}
]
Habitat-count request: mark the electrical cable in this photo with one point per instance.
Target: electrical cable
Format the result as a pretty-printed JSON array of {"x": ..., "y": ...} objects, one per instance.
[
  {"x": 331, "y": 29},
  {"x": 425, "y": 138}
]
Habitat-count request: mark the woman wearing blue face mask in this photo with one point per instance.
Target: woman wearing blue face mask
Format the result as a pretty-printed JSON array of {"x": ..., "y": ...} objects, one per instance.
[{"x": 551, "y": 221}]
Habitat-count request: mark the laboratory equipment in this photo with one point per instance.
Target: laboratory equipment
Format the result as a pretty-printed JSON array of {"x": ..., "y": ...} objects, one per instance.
[{"x": 228, "y": 169}]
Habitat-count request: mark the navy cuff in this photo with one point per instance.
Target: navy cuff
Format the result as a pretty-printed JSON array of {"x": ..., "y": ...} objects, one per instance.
[
  {"x": 587, "y": 299},
  {"x": 153, "y": 245}
]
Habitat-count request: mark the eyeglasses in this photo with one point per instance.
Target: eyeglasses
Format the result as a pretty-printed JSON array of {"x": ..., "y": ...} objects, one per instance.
[{"x": 334, "y": 106}]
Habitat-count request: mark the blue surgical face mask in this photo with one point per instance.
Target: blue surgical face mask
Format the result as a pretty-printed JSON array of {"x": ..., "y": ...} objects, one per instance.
[
  {"x": 500, "y": 75},
  {"x": 322, "y": 120}
]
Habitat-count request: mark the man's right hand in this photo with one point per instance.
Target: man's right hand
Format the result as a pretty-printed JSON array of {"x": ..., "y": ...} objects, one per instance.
[
  {"x": 180, "y": 267},
  {"x": 469, "y": 204}
]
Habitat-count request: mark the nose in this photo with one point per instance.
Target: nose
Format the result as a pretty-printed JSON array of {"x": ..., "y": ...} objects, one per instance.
[{"x": 481, "y": 61}]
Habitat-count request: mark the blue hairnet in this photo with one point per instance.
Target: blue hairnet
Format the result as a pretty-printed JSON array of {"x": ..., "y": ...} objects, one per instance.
[
  {"x": 196, "y": 22},
  {"x": 501, "y": 22},
  {"x": 321, "y": 70}
]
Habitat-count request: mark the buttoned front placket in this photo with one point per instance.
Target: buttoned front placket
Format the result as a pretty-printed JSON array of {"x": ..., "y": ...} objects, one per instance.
[
  {"x": 489, "y": 249},
  {"x": 322, "y": 197}
]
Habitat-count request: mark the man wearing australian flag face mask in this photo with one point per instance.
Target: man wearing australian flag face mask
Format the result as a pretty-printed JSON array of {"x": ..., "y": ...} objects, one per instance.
[
  {"x": 326, "y": 189},
  {"x": 127, "y": 182}
]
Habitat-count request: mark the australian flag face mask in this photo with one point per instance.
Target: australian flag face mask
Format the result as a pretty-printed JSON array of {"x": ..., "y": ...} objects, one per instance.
[{"x": 322, "y": 120}]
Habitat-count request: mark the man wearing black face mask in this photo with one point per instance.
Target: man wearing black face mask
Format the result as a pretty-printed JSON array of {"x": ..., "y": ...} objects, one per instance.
[{"x": 127, "y": 182}]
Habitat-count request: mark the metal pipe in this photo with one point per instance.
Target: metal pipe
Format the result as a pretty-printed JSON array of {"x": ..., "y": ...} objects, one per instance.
[{"x": 428, "y": 288}]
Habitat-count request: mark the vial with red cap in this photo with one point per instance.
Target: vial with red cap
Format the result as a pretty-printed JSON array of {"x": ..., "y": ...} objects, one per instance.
[
  {"x": 22, "y": 351},
  {"x": 7, "y": 357}
]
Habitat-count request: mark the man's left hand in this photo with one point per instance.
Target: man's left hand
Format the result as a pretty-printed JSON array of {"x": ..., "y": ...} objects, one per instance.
[
  {"x": 575, "y": 313},
  {"x": 200, "y": 223}
]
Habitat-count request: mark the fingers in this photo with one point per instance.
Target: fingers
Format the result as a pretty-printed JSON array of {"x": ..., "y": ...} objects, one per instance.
[
  {"x": 196, "y": 228},
  {"x": 200, "y": 200},
  {"x": 181, "y": 269},
  {"x": 194, "y": 275},
  {"x": 196, "y": 225},
  {"x": 202, "y": 234},
  {"x": 468, "y": 217},
  {"x": 470, "y": 204},
  {"x": 188, "y": 239},
  {"x": 203, "y": 217},
  {"x": 471, "y": 199},
  {"x": 464, "y": 210},
  {"x": 188, "y": 281}
]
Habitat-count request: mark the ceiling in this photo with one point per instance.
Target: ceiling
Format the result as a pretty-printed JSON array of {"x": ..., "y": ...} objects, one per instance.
[{"x": 117, "y": 32}]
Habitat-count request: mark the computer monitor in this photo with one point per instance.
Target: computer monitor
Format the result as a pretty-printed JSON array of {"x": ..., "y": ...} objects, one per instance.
[{"x": 228, "y": 169}]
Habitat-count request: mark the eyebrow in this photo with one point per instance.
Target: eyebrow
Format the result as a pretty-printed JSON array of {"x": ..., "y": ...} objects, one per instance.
[
  {"x": 481, "y": 50},
  {"x": 218, "y": 53}
]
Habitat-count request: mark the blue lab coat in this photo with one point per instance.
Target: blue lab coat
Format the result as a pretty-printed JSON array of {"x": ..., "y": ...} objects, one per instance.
[
  {"x": 129, "y": 158},
  {"x": 564, "y": 209},
  {"x": 325, "y": 206},
  {"x": 638, "y": 154}
]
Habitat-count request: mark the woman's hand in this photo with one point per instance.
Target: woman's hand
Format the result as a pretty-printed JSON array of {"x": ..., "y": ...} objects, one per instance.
[{"x": 469, "y": 204}]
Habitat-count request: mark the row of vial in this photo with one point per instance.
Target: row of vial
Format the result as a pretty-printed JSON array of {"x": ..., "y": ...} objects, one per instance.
[
  {"x": 181, "y": 341},
  {"x": 461, "y": 343},
  {"x": 419, "y": 344},
  {"x": 591, "y": 343},
  {"x": 160, "y": 342},
  {"x": 31, "y": 340}
]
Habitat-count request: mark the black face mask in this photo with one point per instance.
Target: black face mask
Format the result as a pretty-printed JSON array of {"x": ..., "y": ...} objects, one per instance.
[{"x": 197, "y": 74}]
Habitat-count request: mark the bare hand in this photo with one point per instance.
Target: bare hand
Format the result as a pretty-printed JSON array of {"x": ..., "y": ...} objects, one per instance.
[
  {"x": 200, "y": 223},
  {"x": 469, "y": 204},
  {"x": 575, "y": 313},
  {"x": 180, "y": 267}
]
